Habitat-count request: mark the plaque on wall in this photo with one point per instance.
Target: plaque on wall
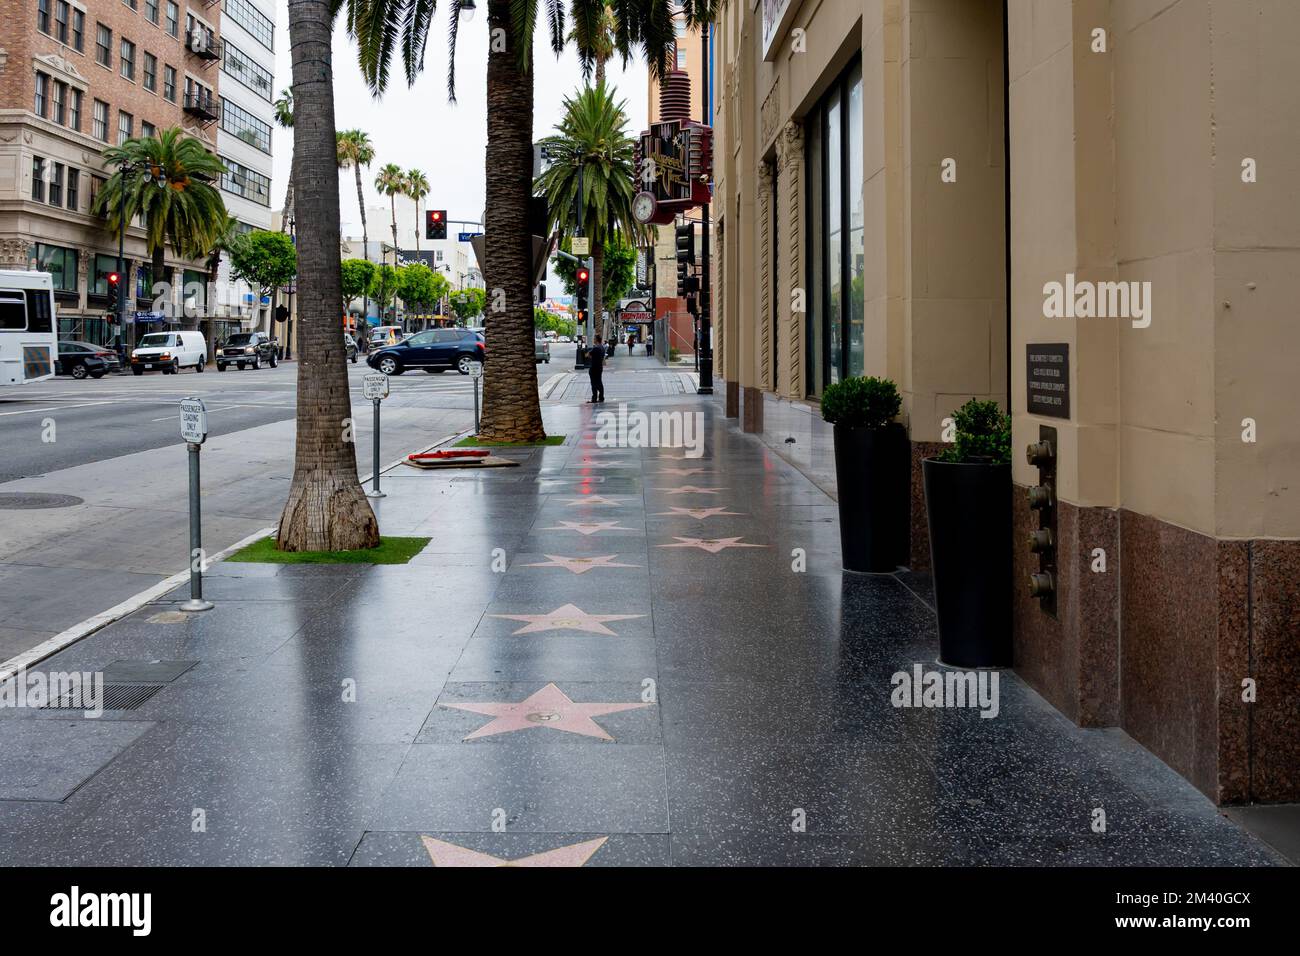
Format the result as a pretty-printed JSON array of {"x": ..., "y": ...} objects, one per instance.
[{"x": 1047, "y": 379}]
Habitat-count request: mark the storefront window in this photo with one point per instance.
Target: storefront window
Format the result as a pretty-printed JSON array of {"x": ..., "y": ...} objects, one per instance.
[{"x": 59, "y": 262}]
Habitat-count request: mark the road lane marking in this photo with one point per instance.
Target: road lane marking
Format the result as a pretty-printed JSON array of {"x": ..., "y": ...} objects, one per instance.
[{"x": 53, "y": 408}]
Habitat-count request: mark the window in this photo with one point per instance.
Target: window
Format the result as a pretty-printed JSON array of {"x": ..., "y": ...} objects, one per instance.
[
  {"x": 74, "y": 189},
  {"x": 78, "y": 30},
  {"x": 60, "y": 114},
  {"x": 681, "y": 57},
  {"x": 835, "y": 235},
  {"x": 151, "y": 11},
  {"x": 128, "y": 59},
  {"x": 237, "y": 120},
  {"x": 13, "y": 310},
  {"x": 74, "y": 110},
  {"x": 104, "y": 265},
  {"x": 99, "y": 121},
  {"x": 103, "y": 45},
  {"x": 125, "y": 126},
  {"x": 130, "y": 3},
  {"x": 61, "y": 10},
  {"x": 38, "y": 178},
  {"x": 148, "y": 130},
  {"x": 173, "y": 18},
  {"x": 257, "y": 23},
  {"x": 56, "y": 184},
  {"x": 150, "y": 77},
  {"x": 169, "y": 83},
  {"x": 242, "y": 67},
  {"x": 40, "y": 103},
  {"x": 242, "y": 181},
  {"x": 43, "y": 15}
]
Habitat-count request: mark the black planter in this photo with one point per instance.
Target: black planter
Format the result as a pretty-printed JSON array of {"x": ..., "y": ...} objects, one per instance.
[
  {"x": 872, "y": 468},
  {"x": 968, "y": 507}
]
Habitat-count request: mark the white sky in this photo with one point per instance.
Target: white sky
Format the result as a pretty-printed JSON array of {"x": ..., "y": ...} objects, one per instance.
[{"x": 417, "y": 127}]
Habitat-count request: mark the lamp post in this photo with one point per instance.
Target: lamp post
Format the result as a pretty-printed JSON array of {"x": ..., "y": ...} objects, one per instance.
[{"x": 155, "y": 175}]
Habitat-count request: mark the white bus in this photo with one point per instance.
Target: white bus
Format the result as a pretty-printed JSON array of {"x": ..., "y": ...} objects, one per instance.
[{"x": 28, "y": 339}]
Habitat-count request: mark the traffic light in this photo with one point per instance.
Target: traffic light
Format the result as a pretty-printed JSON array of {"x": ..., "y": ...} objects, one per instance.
[
  {"x": 435, "y": 224},
  {"x": 581, "y": 276},
  {"x": 685, "y": 235},
  {"x": 541, "y": 292},
  {"x": 114, "y": 291}
]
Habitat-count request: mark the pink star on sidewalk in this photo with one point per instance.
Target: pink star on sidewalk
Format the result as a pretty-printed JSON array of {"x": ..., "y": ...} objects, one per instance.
[
  {"x": 581, "y": 565},
  {"x": 589, "y": 527},
  {"x": 711, "y": 545},
  {"x": 591, "y": 500},
  {"x": 550, "y": 708},
  {"x": 700, "y": 513},
  {"x": 692, "y": 490},
  {"x": 570, "y": 617},
  {"x": 449, "y": 854}
]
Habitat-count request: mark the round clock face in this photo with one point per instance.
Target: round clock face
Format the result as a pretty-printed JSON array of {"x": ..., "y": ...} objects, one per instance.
[{"x": 643, "y": 206}]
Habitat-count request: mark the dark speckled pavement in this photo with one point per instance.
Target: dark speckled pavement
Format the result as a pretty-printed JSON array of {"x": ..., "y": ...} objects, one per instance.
[{"x": 593, "y": 662}]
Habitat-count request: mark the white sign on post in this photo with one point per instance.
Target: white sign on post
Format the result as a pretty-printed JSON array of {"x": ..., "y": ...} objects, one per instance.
[
  {"x": 374, "y": 385},
  {"x": 194, "y": 420},
  {"x": 475, "y": 369},
  {"x": 581, "y": 246}
]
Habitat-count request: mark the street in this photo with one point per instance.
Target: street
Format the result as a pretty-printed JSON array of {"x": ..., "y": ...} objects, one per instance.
[{"x": 113, "y": 445}]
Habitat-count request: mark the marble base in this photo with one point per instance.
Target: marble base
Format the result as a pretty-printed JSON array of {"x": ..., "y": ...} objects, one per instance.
[
  {"x": 920, "y": 528},
  {"x": 733, "y": 400},
  {"x": 752, "y": 410}
]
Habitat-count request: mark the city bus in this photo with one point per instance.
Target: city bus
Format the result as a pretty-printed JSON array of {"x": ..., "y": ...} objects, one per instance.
[{"x": 28, "y": 335}]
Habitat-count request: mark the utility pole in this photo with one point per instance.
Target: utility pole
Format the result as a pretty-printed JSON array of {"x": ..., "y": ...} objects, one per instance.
[{"x": 704, "y": 350}]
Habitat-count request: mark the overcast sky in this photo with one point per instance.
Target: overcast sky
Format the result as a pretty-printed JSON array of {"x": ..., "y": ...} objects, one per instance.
[{"x": 417, "y": 127}]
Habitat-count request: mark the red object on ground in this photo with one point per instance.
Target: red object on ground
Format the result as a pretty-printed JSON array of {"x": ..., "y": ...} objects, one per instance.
[{"x": 444, "y": 455}]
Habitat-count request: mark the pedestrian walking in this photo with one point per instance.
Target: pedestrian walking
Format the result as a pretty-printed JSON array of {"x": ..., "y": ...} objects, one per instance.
[
  {"x": 631, "y": 340},
  {"x": 596, "y": 370}
]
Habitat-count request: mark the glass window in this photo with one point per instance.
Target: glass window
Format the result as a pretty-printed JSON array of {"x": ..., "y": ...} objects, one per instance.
[
  {"x": 74, "y": 110},
  {"x": 74, "y": 189},
  {"x": 257, "y": 23},
  {"x": 150, "y": 78},
  {"x": 60, "y": 103},
  {"x": 56, "y": 184},
  {"x": 43, "y": 15},
  {"x": 173, "y": 18},
  {"x": 128, "y": 59},
  {"x": 681, "y": 57},
  {"x": 13, "y": 309},
  {"x": 237, "y": 120},
  {"x": 169, "y": 83},
  {"x": 242, "y": 67},
  {"x": 855, "y": 251},
  {"x": 834, "y": 227},
  {"x": 103, "y": 45},
  {"x": 41, "y": 102},
  {"x": 38, "y": 178},
  {"x": 125, "y": 126},
  {"x": 99, "y": 121},
  {"x": 78, "y": 30},
  {"x": 242, "y": 181},
  {"x": 151, "y": 11},
  {"x": 103, "y": 266},
  {"x": 148, "y": 130},
  {"x": 130, "y": 3},
  {"x": 61, "y": 11}
]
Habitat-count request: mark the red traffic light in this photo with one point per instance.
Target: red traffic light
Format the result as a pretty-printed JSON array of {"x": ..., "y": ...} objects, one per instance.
[
  {"x": 583, "y": 275},
  {"x": 113, "y": 278},
  {"x": 436, "y": 215}
]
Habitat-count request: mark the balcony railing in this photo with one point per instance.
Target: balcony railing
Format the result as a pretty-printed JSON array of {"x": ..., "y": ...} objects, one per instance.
[
  {"x": 204, "y": 45},
  {"x": 201, "y": 105}
]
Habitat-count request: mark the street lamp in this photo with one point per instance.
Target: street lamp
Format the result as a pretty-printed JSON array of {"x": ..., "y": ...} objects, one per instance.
[{"x": 152, "y": 174}]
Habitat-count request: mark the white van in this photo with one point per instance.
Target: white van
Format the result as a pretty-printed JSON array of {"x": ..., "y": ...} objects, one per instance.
[{"x": 169, "y": 352}]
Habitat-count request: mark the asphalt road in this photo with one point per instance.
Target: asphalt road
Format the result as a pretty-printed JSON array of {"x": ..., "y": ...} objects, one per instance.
[{"x": 117, "y": 451}]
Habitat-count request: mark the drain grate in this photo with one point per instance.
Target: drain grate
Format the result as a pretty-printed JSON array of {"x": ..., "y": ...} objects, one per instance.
[
  {"x": 116, "y": 697},
  {"x": 31, "y": 500}
]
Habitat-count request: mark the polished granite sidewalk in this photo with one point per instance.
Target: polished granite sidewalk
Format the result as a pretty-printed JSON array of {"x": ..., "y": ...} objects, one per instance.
[{"x": 605, "y": 656}]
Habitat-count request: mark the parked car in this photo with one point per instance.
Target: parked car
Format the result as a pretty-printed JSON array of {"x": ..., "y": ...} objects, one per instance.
[
  {"x": 248, "y": 350},
  {"x": 434, "y": 350},
  {"x": 382, "y": 335},
  {"x": 542, "y": 350},
  {"x": 81, "y": 359},
  {"x": 169, "y": 352},
  {"x": 350, "y": 347},
  {"x": 564, "y": 338}
]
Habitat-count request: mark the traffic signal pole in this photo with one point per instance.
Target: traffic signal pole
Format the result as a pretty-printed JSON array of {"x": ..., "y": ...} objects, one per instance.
[
  {"x": 704, "y": 349},
  {"x": 121, "y": 256},
  {"x": 589, "y": 264}
]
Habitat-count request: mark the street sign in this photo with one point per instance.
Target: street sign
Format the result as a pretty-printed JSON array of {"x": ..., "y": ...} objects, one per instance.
[
  {"x": 375, "y": 385},
  {"x": 475, "y": 369},
  {"x": 466, "y": 236},
  {"x": 581, "y": 246},
  {"x": 194, "y": 420}
]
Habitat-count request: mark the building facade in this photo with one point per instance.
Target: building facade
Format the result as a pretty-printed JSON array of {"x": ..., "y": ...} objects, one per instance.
[{"x": 944, "y": 192}]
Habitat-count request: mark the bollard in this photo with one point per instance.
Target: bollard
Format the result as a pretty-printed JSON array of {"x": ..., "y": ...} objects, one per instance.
[{"x": 194, "y": 429}]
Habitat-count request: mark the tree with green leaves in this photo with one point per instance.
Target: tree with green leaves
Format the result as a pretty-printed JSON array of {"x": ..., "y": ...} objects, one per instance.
[
  {"x": 358, "y": 275},
  {"x": 468, "y": 303},
  {"x": 618, "y": 272},
  {"x": 511, "y": 408},
  {"x": 355, "y": 150},
  {"x": 590, "y": 182},
  {"x": 383, "y": 289},
  {"x": 265, "y": 260},
  {"x": 419, "y": 286},
  {"x": 284, "y": 119},
  {"x": 391, "y": 182},
  {"x": 417, "y": 187},
  {"x": 168, "y": 186}
]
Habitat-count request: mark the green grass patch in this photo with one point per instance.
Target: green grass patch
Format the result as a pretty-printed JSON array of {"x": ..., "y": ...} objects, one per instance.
[
  {"x": 390, "y": 551},
  {"x": 472, "y": 442}
]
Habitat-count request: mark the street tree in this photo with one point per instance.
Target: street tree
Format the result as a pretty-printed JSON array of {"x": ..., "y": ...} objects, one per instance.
[
  {"x": 419, "y": 286},
  {"x": 618, "y": 269},
  {"x": 354, "y": 150},
  {"x": 265, "y": 260},
  {"x": 383, "y": 288},
  {"x": 326, "y": 509},
  {"x": 357, "y": 275},
  {"x": 391, "y": 182},
  {"x": 511, "y": 408},
  {"x": 468, "y": 303},
  {"x": 417, "y": 187}
]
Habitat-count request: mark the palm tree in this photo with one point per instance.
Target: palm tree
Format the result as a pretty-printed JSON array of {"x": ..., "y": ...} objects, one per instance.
[
  {"x": 391, "y": 182},
  {"x": 326, "y": 510},
  {"x": 592, "y": 148},
  {"x": 417, "y": 187},
  {"x": 511, "y": 411},
  {"x": 168, "y": 185},
  {"x": 355, "y": 150},
  {"x": 284, "y": 119},
  {"x": 603, "y": 41}
]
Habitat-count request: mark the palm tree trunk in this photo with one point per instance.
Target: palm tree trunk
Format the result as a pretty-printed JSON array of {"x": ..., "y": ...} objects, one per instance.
[
  {"x": 417, "y": 229},
  {"x": 326, "y": 510},
  {"x": 598, "y": 285},
  {"x": 511, "y": 410},
  {"x": 288, "y": 202},
  {"x": 365, "y": 241}
]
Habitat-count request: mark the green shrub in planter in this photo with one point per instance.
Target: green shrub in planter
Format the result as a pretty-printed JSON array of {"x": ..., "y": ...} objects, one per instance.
[
  {"x": 872, "y": 472},
  {"x": 968, "y": 508}
]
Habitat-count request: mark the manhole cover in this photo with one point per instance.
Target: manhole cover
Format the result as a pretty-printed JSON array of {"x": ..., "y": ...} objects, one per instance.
[{"x": 30, "y": 500}]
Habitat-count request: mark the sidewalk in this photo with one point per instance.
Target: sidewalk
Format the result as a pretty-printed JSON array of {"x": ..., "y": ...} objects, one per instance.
[{"x": 648, "y": 682}]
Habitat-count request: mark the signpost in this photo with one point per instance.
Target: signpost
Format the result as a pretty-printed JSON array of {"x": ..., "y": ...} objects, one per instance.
[
  {"x": 194, "y": 429},
  {"x": 580, "y": 246},
  {"x": 476, "y": 375},
  {"x": 375, "y": 387}
]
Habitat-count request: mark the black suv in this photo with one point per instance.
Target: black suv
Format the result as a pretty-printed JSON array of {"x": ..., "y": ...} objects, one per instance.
[
  {"x": 434, "y": 350},
  {"x": 252, "y": 349}
]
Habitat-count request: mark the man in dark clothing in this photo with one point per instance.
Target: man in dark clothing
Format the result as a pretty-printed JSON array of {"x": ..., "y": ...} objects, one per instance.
[{"x": 596, "y": 368}]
